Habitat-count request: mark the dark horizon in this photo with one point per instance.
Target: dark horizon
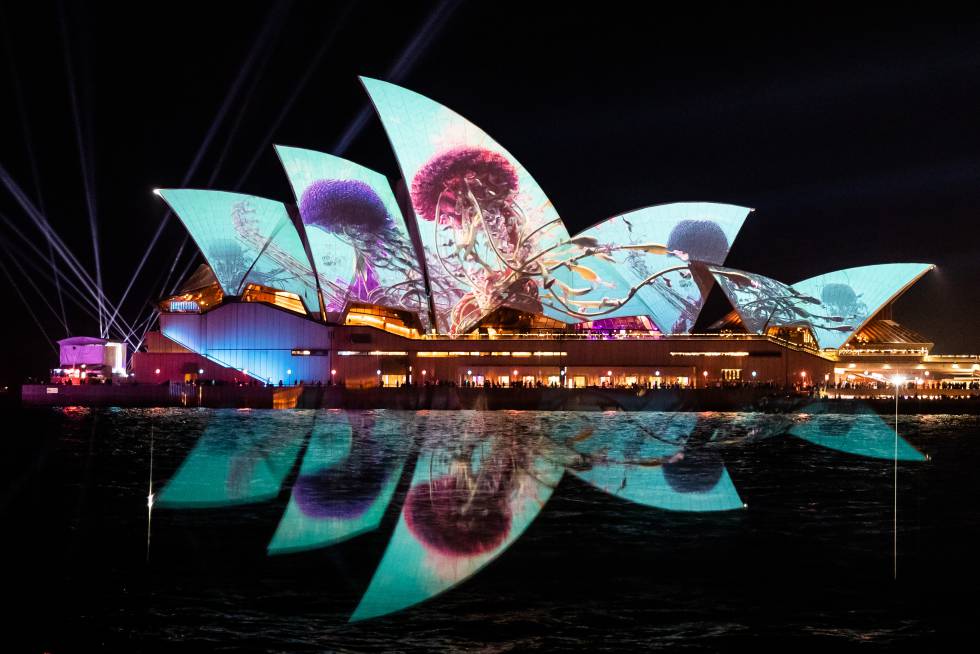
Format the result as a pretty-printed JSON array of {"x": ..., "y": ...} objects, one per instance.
[{"x": 854, "y": 141}]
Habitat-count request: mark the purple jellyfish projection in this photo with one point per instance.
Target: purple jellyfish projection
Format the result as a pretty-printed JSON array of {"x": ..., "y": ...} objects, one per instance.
[
  {"x": 346, "y": 207},
  {"x": 348, "y": 488},
  {"x": 450, "y": 185},
  {"x": 354, "y": 212},
  {"x": 345, "y": 491}
]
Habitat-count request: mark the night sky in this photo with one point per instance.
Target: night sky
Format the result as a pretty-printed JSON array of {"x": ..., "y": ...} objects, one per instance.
[{"x": 855, "y": 137}]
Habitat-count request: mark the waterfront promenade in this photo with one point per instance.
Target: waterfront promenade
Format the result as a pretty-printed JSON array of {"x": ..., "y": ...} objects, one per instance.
[{"x": 414, "y": 398}]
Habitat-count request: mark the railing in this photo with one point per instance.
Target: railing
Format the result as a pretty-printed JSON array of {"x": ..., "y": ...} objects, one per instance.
[{"x": 618, "y": 335}]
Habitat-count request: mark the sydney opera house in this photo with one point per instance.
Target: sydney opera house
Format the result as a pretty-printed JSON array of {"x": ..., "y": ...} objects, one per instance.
[{"x": 466, "y": 275}]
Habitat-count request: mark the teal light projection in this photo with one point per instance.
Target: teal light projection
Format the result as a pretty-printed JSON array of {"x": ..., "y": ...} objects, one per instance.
[
  {"x": 345, "y": 483},
  {"x": 849, "y": 298},
  {"x": 864, "y": 434},
  {"x": 246, "y": 240},
  {"x": 700, "y": 486},
  {"x": 467, "y": 503},
  {"x": 484, "y": 222},
  {"x": 833, "y": 306},
  {"x": 762, "y": 302},
  {"x": 664, "y": 460},
  {"x": 239, "y": 459},
  {"x": 652, "y": 261},
  {"x": 360, "y": 246}
]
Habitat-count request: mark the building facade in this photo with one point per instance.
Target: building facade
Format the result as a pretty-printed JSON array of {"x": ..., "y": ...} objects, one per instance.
[{"x": 468, "y": 276}]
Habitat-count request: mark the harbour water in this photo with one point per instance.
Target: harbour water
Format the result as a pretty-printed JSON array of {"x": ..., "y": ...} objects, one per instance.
[{"x": 313, "y": 530}]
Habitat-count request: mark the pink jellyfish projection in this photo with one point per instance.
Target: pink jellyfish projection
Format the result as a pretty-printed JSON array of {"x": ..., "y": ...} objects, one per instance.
[
  {"x": 490, "y": 253},
  {"x": 459, "y": 516},
  {"x": 481, "y": 234}
]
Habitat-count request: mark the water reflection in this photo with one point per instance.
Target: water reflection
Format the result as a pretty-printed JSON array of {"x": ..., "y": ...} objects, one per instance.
[
  {"x": 472, "y": 494},
  {"x": 864, "y": 433},
  {"x": 664, "y": 460},
  {"x": 238, "y": 460},
  {"x": 345, "y": 482},
  {"x": 479, "y": 477}
]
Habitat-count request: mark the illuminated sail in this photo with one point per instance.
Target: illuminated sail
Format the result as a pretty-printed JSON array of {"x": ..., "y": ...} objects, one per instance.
[
  {"x": 359, "y": 243},
  {"x": 849, "y": 298},
  {"x": 246, "y": 240},
  {"x": 482, "y": 218},
  {"x": 652, "y": 261}
]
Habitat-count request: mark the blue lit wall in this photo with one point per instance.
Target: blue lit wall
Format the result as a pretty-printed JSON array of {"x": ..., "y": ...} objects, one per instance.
[
  {"x": 482, "y": 218},
  {"x": 246, "y": 239},
  {"x": 360, "y": 245},
  {"x": 256, "y": 338}
]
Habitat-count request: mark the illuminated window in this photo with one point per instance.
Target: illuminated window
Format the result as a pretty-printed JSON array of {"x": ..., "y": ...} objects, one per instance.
[
  {"x": 402, "y": 323},
  {"x": 194, "y": 301},
  {"x": 281, "y": 299}
]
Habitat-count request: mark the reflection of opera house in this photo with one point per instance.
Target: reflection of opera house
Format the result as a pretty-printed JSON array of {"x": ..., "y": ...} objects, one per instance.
[{"x": 468, "y": 276}]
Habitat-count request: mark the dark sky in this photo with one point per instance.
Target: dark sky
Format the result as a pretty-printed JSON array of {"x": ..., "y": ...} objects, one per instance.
[{"x": 855, "y": 136}]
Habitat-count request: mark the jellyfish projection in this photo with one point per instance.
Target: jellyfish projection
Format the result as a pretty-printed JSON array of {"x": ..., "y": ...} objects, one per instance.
[
  {"x": 483, "y": 238},
  {"x": 470, "y": 498},
  {"x": 652, "y": 262},
  {"x": 384, "y": 271},
  {"x": 345, "y": 483},
  {"x": 483, "y": 221},
  {"x": 359, "y": 244},
  {"x": 351, "y": 211},
  {"x": 456, "y": 515},
  {"x": 669, "y": 461},
  {"x": 479, "y": 480},
  {"x": 828, "y": 305}
]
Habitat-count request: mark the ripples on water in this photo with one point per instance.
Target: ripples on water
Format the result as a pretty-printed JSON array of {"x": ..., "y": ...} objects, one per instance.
[{"x": 489, "y": 530}]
